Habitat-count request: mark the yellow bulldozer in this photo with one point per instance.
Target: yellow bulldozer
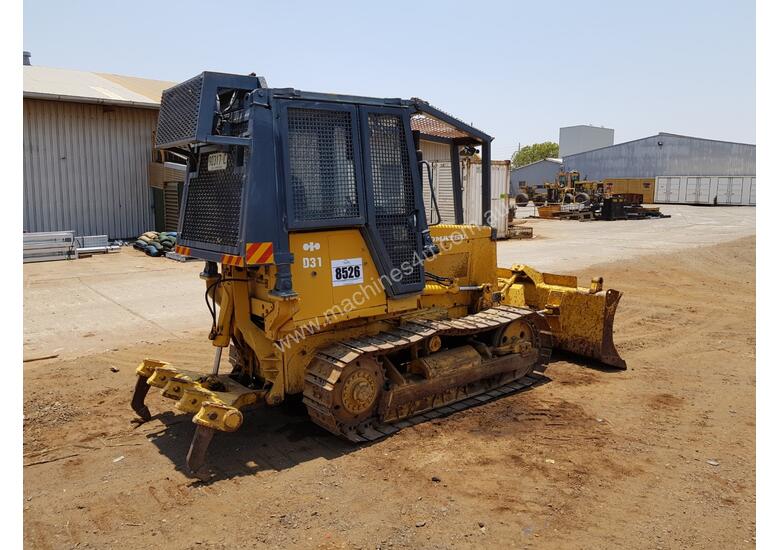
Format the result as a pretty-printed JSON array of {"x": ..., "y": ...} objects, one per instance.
[{"x": 326, "y": 281}]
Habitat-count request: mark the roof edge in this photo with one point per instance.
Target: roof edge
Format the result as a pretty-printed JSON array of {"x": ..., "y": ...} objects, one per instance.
[
  {"x": 586, "y": 126},
  {"x": 549, "y": 159},
  {"x": 703, "y": 139},
  {"x": 660, "y": 134},
  {"x": 92, "y": 100}
]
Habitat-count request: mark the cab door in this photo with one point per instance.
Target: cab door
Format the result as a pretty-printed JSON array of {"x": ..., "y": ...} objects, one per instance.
[{"x": 394, "y": 205}]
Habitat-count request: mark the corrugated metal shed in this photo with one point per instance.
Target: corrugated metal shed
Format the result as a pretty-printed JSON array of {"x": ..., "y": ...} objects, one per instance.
[
  {"x": 535, "y": 174},
  {"x": 87, "y": 148},
  {"x": 665, "y": 155},
  {"x": 86, "y": 168}
]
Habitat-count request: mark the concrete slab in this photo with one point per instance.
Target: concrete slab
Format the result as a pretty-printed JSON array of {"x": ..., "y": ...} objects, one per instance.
[
  {"x": 89, "y": 305},
  {"x": 564, "y": 246},
  {"x": 76, "y": 308}
]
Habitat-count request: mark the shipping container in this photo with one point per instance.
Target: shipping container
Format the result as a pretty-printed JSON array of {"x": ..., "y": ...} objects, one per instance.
[
  {"x": 642, "y": 186},
  {"x": 499, "y": 194},
  {"x": 715, "y": 190}
]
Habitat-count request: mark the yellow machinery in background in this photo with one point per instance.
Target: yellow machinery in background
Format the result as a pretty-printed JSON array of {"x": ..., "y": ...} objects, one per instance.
[
  {"x": 640, "y": 186},
  {"x": 325, "y": 280}
]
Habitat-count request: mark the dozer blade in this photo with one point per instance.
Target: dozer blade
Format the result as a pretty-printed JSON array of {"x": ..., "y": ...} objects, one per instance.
[
  {"x": 581, "y": 319},
  {"x": 586, "y": 328}
]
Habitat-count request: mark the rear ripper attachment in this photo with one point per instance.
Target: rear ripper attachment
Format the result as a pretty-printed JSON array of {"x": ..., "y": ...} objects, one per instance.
[{"x": 214, "y": 400}]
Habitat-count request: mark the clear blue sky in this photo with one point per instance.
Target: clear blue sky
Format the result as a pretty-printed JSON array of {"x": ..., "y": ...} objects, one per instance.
[{"x": 517, "y": 70}]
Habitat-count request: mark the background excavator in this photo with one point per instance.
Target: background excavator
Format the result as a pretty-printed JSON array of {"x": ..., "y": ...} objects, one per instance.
[{"x": 325, "y": 279}]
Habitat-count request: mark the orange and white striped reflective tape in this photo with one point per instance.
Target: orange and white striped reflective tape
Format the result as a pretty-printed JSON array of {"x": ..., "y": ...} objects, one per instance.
[
  {"x": 183, "y": 250},
  {"x": 259, "y": 253},
  {"x": 229, "y": 259}
]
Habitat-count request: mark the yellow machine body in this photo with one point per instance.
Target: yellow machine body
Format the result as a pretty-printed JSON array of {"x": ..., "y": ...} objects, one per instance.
[{"x": 324, "y": 313}]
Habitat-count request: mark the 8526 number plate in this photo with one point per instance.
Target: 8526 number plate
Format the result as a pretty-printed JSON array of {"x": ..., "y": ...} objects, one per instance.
[{"x": 347, "y": 272}]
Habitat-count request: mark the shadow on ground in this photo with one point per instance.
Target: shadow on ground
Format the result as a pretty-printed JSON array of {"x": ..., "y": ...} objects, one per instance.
[{"x": 271, "y": 438}]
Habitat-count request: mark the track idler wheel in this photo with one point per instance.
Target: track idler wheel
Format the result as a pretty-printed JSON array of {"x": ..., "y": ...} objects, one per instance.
[{"x": 512, "y": 337}]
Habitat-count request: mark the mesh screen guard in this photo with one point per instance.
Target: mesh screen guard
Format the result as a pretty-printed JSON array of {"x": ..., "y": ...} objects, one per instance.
[{"x": 393, "y": 190}]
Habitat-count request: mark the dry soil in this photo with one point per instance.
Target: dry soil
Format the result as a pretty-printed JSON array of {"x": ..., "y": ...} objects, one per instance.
[{"x": 659, "y": 456}]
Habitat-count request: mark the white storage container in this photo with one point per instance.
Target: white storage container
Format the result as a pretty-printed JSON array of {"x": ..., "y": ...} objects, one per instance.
[
  {"x": 667, "y": 189},
  {"x": 499, "y": 194},
  {"x": 720, "y": 190}
]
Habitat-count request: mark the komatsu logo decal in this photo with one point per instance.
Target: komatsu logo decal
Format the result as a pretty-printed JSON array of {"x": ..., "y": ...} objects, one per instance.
[{"x": 455, "y": 237}]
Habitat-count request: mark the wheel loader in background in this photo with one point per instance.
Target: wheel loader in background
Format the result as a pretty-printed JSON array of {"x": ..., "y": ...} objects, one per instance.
[{"x": 325, "y": 279}]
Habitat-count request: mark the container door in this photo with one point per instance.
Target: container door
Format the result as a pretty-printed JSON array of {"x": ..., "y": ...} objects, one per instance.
[
  {"x": 692, "y": 190},
  {"x": 171, "y": 193},
  {"x": 752, "y": 199},
  {"x": 723, "y": 190},
  {"x": 674, "y": 189},
  {"x": 472, "y": 199},
  {"x": 661, "y": 193},
  {"x": 648, "y": 191},
  {"x": 704, "y": 190},
  {"x": 736, "y": 191},
  {"x": 499, "y": 198}
]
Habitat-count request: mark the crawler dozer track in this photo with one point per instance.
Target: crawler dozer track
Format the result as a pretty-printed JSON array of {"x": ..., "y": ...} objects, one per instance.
[{"x": 355, "y": 389}]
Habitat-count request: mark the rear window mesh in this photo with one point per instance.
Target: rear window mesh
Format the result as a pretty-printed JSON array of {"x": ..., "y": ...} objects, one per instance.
[{"x": 178, "y": 120}]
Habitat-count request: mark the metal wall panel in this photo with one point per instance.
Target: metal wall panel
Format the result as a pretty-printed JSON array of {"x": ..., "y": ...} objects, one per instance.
[
  {"x": 442, "y": 186},
  {"x": 433, "y": 151},
  {"x": 86, "y": 168},
  {"x": 578, "y": 139}
]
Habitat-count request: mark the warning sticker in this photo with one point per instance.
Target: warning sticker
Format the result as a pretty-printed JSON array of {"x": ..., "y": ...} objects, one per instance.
[{"x": 347, "y": 272}]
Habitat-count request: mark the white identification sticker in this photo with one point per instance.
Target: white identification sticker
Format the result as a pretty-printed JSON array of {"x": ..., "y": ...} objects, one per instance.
[
  {"x": 217, "y": 161},
  {"x": 347, "y": 272}
]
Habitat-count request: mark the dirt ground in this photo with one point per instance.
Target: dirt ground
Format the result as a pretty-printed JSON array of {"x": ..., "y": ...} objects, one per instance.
[{"x": 659, "y": 456}]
